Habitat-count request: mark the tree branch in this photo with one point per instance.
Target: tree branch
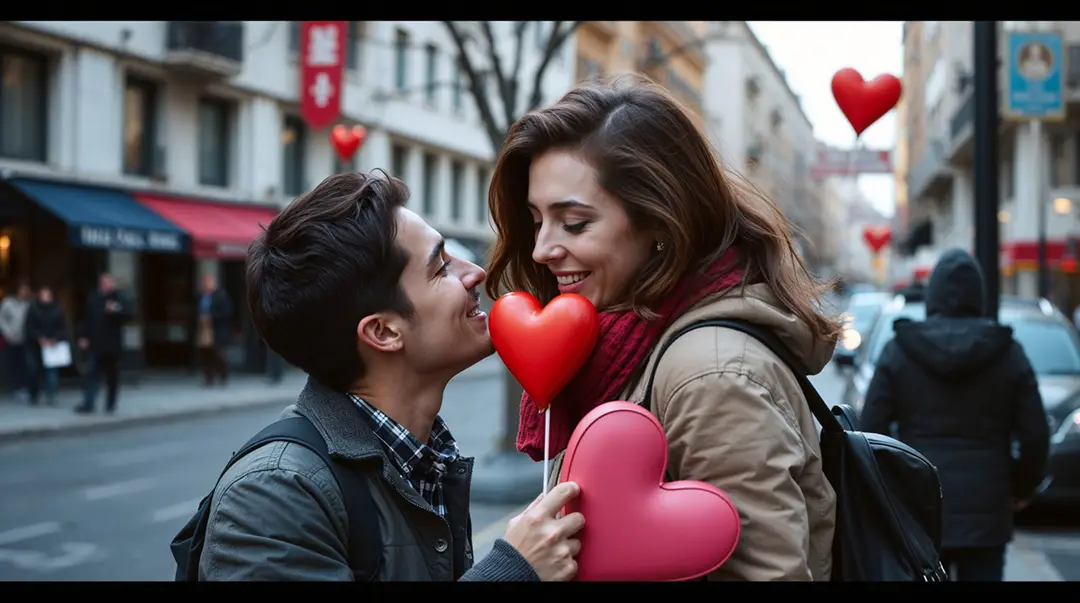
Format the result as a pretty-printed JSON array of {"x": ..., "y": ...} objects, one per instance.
[
  {"x": 496, "y": 66},
  {"x": 495, "y": 133},
  {"x": 554, "y": 44},
  {"x": 515, "y": 75}
]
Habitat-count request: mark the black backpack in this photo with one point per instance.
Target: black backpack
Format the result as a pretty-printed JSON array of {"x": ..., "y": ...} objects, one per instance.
[
  {"x": 888, "y": 496},
  {"x": 364, "y": 543}
]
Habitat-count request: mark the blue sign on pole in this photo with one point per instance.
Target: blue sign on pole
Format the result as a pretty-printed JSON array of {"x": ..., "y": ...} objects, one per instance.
[{"x": 1036, "y": 82}]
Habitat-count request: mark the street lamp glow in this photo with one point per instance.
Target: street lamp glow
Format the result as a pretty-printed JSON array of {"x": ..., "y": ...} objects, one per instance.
[{"x": 1063, "y": 205}]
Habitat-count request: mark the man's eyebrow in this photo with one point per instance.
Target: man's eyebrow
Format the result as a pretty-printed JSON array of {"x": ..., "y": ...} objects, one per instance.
[{"x": 436, "y": 253}]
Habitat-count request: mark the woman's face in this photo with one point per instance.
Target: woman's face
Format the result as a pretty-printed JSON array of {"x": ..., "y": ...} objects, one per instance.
[{"x": 583, "y": 234}]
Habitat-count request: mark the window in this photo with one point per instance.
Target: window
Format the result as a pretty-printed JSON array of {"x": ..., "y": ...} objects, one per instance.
[
  {"x": 214, "y": 129},
  {"x": 431, "y": 56},
  {"x": 294, "y": 137},
  {"x": 294, "y": 36},
  {"x": 22, "y": 106},
  {"x": 1063, "y": 161},
  {"x": 401, "y": 64},
  {"x": 140, "y": 104},
  {"x": 590, "y": 69},
  {"x": 399, "y": 161},
  {"x": 430, "y": 164},
  {"x": 457, "y": 181},
  {"x": 482, "y": 195},
  {"x": 459, "y": 87},
  {"x": 353, "y": 38}
]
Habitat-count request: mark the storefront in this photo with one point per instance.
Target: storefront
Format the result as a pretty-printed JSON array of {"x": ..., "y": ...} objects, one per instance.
[
  {"x": 1020, "y": 259},
  {"x": 66, "y": 235},
  {"x": 220, "y": 234}
]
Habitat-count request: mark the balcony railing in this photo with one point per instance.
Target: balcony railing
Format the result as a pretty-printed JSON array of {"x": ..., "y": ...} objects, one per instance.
[
  {"x": 211, "y": 46},
  {"x": 963, "y": 117},
  {"x": 928, "y": 170}
]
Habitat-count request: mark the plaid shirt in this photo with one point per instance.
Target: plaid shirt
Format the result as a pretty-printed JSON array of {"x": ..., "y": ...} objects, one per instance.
[{"x": 423, "y": 466}]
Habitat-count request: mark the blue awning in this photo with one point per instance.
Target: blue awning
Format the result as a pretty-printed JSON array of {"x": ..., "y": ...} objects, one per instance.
[{"x": 104, "y": 218}]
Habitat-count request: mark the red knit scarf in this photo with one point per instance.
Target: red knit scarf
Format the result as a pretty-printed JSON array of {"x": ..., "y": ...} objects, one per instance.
[{"x": 625, "y": 342}]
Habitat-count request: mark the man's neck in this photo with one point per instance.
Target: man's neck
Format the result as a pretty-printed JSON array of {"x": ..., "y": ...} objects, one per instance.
[{"x": 410, "y": 400}]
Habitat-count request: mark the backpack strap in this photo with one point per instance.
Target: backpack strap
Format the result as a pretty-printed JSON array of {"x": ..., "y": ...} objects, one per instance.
[
  {"x": 817, "y": 405},
  {"x": 364, "y": 545}
]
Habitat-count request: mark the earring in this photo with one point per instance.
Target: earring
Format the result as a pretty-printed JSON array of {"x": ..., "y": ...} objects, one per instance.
[{"x": 659, "y": 245}]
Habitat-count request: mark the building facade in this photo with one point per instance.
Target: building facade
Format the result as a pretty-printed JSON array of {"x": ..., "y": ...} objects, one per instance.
[
  {"x": 758, "y": 127},
  {"x": 671, "y": 53},
  {"x": 154, "y": 151},
  {"x": 1036, "y": 173}
]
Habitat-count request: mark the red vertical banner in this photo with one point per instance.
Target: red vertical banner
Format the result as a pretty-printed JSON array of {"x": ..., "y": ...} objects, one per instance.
[{"x": 322, "y": 65}]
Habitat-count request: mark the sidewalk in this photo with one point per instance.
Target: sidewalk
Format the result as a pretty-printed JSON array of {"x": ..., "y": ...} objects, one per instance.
[{"x": 163, "y": 397}]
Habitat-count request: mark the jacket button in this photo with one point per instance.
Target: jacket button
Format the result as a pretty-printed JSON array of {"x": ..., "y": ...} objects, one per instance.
[{"x": 441, "y": 545}]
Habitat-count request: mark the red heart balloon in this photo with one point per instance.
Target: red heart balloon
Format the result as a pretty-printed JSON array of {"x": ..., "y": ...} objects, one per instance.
[
  {"x": 862, "y": 102},
  {"x": 638, "y": 528},
  {"x": 347, "y": 140},
  {"x": 877, "y": 237},
  {"x": 543, "y": 349}
]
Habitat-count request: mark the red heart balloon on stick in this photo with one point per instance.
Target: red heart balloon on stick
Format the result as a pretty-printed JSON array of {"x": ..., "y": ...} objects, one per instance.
[
  {"x": 862, "y": 102},
  {"x": 877, "y": 237},
  {"x": 347, "y": 140},
  {"x": 543, "y": 348},
  {"x": 638, "y": 528}
]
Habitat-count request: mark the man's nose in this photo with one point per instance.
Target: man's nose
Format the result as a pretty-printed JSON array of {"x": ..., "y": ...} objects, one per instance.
[{"x": 473, "y": 275}]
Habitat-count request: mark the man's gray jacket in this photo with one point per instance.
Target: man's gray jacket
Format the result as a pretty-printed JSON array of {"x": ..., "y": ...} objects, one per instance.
[{"x": 278, "y": 513}]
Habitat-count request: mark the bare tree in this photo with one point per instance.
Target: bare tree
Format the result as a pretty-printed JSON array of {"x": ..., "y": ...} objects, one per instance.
[{"x": 479, "y": 55}]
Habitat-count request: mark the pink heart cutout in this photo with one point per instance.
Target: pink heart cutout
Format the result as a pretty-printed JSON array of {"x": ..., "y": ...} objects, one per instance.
[{"x": 638, "y": 528}]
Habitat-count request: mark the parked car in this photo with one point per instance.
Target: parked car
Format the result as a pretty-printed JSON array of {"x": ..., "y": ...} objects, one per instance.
[
  {"x": 1053, "y": 348},
  {"x": 859, "y": 316}
]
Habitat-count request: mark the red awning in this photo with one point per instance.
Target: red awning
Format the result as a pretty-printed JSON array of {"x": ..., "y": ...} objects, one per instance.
[{"x": 217, "y": 230}]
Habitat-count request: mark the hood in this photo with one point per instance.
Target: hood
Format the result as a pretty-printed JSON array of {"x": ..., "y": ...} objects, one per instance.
[
  {"x": 953, "y": 347},
  {"x": 956, "y": 287},
  {"x": 758, "y": 305},
  {"x": 1056, "y": 388}
]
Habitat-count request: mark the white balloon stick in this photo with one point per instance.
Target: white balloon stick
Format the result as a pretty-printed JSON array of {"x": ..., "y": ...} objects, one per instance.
[{"x": 547, "y": 447}]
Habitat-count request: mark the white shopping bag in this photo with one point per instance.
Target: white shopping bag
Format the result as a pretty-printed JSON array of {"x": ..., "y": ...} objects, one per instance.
[{"x": 56, "y": 355}]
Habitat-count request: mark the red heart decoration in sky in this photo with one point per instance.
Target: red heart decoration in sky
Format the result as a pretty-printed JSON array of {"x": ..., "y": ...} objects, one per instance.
[
  {"x": 862, "y": 102},
  {"x": 543, "y": 348},
  {"x": 877, "y": 237},
  {"x": 347, "y": 140},
  {"x": 637, "y": 528}
]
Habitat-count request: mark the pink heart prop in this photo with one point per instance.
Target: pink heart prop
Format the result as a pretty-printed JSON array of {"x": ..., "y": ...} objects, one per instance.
[{"x": 638, "y": 528}]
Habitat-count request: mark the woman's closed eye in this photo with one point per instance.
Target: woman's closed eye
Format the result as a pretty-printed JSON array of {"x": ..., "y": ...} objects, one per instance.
[{"x": 571, "y": 228}]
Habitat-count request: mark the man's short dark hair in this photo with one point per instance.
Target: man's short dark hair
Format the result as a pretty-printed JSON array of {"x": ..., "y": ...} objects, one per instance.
[{"x": 326, "y": 261}]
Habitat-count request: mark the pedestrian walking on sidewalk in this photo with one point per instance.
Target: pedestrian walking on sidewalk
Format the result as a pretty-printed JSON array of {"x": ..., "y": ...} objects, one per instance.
[
  {"x": 213, "y": 331},
  {"x": 959, "y": 389},
  {"x": 101, "y": 339},
  {"x": 46, "y": 328},
  {"x": 360, "y": 293},
  {"x": 17, "y": 349}
]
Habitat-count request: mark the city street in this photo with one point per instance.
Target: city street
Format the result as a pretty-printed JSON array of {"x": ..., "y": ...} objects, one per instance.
[{"x": 105, "y": 505}]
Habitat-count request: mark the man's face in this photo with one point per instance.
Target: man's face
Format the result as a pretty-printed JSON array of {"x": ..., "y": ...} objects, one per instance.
[
  {"x": 209, "y": 283},
  {"x": 107, "y": 284},
  {"x": 25, "y": 292},
  {"x": 447, "y": 331}
]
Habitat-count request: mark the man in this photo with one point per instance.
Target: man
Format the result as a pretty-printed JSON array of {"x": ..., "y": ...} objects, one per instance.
[
  {"x": 960, "y": 390},
  {"x": 357, "y": 291},
  {"x": 212, "y": 331},
  {"x": 13, "y": 313},
  {"x": 101, "y": 337}
]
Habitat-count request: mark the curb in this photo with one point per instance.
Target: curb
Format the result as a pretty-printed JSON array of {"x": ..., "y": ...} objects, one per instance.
[{"x": 104, "y": 423}]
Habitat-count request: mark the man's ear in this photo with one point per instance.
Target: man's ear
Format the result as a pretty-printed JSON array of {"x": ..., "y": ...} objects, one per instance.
[{"x": 380, "y": 332}]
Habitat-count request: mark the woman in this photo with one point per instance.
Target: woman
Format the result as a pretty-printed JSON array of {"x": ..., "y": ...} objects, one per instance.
[
  {"x": 614, "y": 194},
  {"x": 46, "y": 325}
]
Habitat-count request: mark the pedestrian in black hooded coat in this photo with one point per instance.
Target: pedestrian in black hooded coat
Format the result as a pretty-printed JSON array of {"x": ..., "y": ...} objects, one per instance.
[{"x": 960, "y": 390}]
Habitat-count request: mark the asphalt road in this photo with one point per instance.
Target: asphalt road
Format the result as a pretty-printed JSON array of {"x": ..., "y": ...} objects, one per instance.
[{"x": 105, "y": 505}]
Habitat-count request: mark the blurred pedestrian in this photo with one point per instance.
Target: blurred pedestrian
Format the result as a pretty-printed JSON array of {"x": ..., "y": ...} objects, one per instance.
[
  {"x": 101, "y": 338},
  {"x": 17, "y": 349},
  {"x": 360, "y": 293},
  {"x": 47, "y": 329},
  {"x": 960, "y": 389},
  {"x": 213, "y": 331}
]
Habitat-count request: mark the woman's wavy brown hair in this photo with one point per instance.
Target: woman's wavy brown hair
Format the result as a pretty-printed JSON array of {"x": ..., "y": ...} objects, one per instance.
[{"x": 649, "y": 155}]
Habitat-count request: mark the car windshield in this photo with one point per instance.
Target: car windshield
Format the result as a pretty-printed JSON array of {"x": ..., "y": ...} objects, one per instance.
[
  {"x": 863, "y": 312},
  {"x": 1051, "y": 346}
]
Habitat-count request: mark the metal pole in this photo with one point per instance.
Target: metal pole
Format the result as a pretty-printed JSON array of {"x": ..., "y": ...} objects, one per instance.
[
  {"x": 986, "y": 159},
  {"x": 1036, "y": 128}
]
